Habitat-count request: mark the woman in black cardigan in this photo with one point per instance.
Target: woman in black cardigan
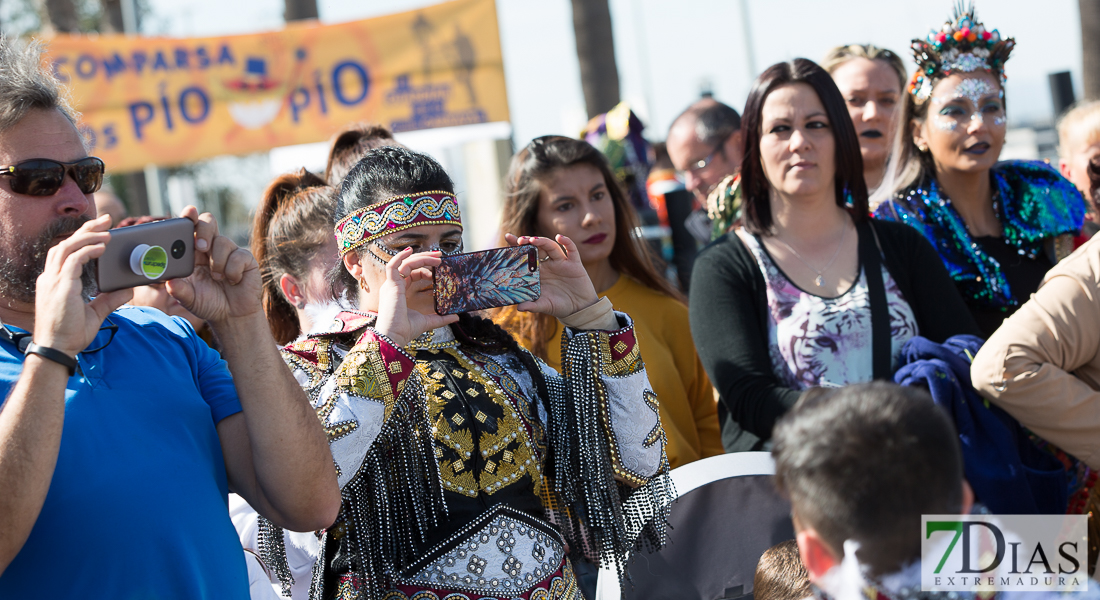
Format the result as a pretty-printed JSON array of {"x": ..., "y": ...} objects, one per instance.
[{"x": 810, "y": 292}]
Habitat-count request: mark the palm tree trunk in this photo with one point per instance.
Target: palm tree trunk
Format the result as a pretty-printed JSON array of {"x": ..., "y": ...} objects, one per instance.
[
  {"x": 112, "y": 17},
  {"x": 596, "y": 55},
  {"x": 59, "y": 16},
  {"x": 1090, "y": 46},
  {"x": 297, "y": 10}
]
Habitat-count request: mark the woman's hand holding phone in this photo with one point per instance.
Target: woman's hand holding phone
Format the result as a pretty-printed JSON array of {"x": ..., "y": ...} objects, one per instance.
[
  {"x": 566, "y": 287},
  {"x": 395, "y": 319}
]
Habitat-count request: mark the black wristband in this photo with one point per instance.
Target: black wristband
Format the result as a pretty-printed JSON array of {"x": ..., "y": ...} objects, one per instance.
[{"x": 53, "y": 354}]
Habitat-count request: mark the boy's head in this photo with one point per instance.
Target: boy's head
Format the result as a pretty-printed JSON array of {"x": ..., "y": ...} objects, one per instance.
[
  {"x": 1079, "y": 142},
  {"x": 780, "y": 574},
  {"x": 864, "y": 463}
]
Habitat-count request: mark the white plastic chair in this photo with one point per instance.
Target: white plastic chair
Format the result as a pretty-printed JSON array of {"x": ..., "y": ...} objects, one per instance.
[{"x": 727, "y": 513}]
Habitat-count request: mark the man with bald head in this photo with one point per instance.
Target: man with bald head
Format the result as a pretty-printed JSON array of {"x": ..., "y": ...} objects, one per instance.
[{"x": 704, "y": 144}]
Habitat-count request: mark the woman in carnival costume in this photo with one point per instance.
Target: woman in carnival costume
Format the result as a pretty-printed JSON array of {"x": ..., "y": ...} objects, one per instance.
[
  {"x": 997, "y": 226},
  {"x": 468, "y": 468}
]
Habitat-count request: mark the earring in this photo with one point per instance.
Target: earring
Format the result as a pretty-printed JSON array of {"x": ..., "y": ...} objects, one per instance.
[
  {"x": 922, "y": 148},
  {"x": 301, "y": 304},
  {"x": 363, "y": 284}
]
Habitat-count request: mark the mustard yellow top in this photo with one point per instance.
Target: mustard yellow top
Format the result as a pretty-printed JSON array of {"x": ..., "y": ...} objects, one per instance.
[{"x": 689, "y": 411}]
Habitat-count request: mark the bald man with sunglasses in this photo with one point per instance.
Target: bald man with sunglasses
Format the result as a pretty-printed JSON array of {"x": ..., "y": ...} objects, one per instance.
[{"x": 120, "y": 440}]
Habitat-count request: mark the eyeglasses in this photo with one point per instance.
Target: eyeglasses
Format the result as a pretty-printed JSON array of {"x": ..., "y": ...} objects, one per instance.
[
  {"x": 22, "y": 340},
  {"x": 699, "y": 165},
  {"x": 43, "y": 177}
]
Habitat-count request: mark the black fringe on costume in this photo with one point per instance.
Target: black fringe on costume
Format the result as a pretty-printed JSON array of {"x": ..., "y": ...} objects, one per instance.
[
  {"x": 388, "y": 508},
  {"x": 603, "y": 520},
  {"x": 608, "y": 519},
  {"x": 396, "y": 498},
  {"x": 272, "y": 549}
]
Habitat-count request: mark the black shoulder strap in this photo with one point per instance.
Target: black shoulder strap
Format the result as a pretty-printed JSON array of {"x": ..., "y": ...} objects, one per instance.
[{"x": 871, "y": 261}]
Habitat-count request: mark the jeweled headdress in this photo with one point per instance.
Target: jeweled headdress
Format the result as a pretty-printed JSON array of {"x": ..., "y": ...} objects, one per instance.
[
  {"x": 397, "y": 213},
  {"x": 962, "y": 45}
]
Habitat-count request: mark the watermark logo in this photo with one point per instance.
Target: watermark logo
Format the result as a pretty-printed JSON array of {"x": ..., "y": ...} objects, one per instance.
[{"x": 1004, "y": 553}]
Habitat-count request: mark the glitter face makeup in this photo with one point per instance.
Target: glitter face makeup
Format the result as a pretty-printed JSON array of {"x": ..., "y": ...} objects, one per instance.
[
  {"x": 392, "y": 253},
  {"x": 999, "y": 121},
  {"x": 970, "y": 89},
  {"x": 945, "y": 123}
]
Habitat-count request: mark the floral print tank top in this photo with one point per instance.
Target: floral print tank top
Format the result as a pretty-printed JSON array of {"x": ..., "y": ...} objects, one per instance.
[{"x": 816, "y": 341}]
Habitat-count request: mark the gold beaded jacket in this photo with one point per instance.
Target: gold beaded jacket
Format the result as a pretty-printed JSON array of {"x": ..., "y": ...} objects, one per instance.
[{"x": 441, "y": 444}]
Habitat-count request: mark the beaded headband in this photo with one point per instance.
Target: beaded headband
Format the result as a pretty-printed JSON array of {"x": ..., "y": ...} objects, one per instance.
[
  {"x": 962, "y": 45},
  {"x": 397, "y": 213}
]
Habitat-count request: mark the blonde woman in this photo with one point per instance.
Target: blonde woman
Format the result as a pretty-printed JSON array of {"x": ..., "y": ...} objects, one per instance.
[
  {"x": 872, "y": 82},
  {"x": 1079, "y": 143}
]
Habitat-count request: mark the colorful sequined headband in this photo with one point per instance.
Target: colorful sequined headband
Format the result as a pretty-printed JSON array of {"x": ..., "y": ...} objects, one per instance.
[
  {"x": 962, "y": 45},
  {"x": 397, "y": 213}
]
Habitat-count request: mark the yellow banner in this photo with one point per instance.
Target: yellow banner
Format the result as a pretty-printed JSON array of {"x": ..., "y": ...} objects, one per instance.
[{"x": 172, "y": 101}]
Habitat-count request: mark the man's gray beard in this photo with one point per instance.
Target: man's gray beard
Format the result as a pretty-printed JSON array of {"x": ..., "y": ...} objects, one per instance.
[{"x": 21, "y": 266}]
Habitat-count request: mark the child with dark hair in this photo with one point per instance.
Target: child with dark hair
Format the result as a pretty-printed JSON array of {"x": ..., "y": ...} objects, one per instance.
[
  {"x": 780, "y": 574},
  {"x": 294, "y": 248},
  {"x": 863, "y": 463}
]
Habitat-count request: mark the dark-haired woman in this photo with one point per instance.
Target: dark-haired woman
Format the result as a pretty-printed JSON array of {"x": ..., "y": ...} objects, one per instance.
[
  {"x": 998, "y": 227},
  {"x": 562, "y": 186},
  {"x": 810, "y": 292},
  {"x": 468, "y": 467},
  {"x": 293, "y": 244}
]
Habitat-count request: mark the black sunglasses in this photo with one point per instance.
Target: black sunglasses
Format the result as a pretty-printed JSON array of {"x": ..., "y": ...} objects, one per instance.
[
  {"x": 22, "y": 340},
  {"x": 43, "y": 177}
]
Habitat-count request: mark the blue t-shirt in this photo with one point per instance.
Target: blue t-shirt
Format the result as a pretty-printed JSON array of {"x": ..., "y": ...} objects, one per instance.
[{"x": 137, "y": 507}]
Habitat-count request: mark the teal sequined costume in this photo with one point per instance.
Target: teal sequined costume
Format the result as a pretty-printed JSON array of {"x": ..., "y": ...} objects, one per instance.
[{"x": 1034, "y": 204}]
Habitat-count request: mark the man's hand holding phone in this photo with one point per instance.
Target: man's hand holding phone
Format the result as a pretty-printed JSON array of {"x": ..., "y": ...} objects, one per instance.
[
  {"x": 63, "y": 320},
  {"x": 226, "y": 281}
]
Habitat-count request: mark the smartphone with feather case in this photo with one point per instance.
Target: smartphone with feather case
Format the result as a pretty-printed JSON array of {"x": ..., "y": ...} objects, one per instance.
[{"x": 487, "y": 279}]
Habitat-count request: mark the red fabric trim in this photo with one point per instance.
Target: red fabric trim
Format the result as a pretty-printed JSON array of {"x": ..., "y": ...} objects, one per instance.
[{"x": 626, "y": 336}]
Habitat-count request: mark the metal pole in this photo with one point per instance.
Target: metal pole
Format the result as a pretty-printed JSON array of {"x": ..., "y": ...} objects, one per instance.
[
  {"x": 129, "y": 16},
  {"x": 152, "y": 189},
  {"x": 746, "y": 34},
  {"x": 640, "y": 38},
  {"x": 152, "y": 172}
]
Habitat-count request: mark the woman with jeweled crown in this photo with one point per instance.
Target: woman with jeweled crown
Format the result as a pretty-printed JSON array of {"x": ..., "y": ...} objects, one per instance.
[
  {"x": 469, "y": 468},
  {"x": 998, "y": 226}
]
